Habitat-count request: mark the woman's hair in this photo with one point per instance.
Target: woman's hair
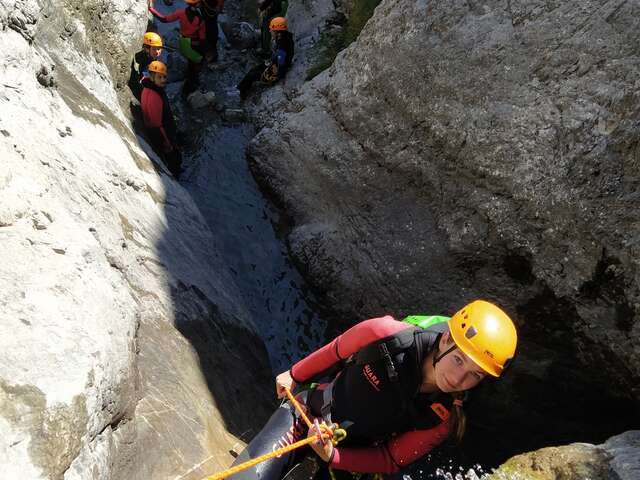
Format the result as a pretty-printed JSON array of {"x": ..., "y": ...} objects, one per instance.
[{"x": 457, "y": 417}]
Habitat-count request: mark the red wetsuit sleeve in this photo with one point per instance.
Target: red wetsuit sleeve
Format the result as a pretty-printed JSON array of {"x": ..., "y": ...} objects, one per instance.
[
  {"x": 398, "y": 452},
  {"x": 344, "y": 345},
  {"x": 172, "y": 17}
]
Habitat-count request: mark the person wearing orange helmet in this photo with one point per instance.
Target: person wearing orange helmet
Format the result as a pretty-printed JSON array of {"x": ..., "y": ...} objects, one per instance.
[
  {"x": 277, "y": 67},
  {"x": 397, "y": 387},
  {"x": 151, "y": 50},
  {"x": 192, "y": 38},
  {"x": 158, "y": 118},
  {"x": 267, "y": 10}
]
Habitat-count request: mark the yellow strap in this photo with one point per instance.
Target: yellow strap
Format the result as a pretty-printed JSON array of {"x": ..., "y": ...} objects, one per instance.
[
  {"x": 333, "y": 433},
  {"x": 298, "y": 407},
  {"x": 261, "y": 458}
]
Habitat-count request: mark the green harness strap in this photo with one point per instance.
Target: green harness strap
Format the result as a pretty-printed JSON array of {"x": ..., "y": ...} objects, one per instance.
[{"x": 425, "y": 321}]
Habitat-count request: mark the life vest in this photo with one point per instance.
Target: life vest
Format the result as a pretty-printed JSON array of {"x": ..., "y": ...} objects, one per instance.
[
  {"x": 157, "y": 114},
  {"x": 377, "y": 392}
]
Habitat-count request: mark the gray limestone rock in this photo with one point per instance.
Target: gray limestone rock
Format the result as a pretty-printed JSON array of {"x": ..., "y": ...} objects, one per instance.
[
  {"x": 617, "y": 459},
  {"x": 120, "y": 326}
]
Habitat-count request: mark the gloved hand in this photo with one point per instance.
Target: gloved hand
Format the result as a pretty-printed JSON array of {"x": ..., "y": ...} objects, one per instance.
[{"x": 284, "y": 380}]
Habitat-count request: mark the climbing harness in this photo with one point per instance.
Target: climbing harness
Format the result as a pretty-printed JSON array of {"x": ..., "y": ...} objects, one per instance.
[
  {"x": 270, "y": 74},
  {"x": 323, "y": 433}
]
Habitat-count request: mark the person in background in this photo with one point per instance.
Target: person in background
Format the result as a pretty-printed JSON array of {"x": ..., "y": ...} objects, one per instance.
[
  {"x": 151, "y": 50},
  {"x": 158, "y": 118},
  {"x": 192, "y": 37},
  {"x": 277, "y": 67},
  {"x": 267, "y": 10},
  {"x": 210, "y": 11}
]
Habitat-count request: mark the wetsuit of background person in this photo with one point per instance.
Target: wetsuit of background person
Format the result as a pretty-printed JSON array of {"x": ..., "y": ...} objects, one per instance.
[
  {"x": 158, "y": 118},
  {"x": 210, "y": 11},
  {"x": 151, "y": 50},
  {"x": 281, "y": 58},
  {"x": 267, "y": 10},
  {"x": 192, "y": 37},
  {"x": 396, "y": 386}
]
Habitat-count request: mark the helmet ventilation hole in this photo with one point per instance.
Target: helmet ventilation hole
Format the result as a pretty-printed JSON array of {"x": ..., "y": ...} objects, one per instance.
[{"x": 471, "y": 332}]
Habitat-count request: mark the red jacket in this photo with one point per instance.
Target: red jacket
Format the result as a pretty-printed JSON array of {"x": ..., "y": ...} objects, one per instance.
[
  {"x": 191, "y": 23},
  {"x": 400, "y": 450},
  {"x": 157, "y": 114}
]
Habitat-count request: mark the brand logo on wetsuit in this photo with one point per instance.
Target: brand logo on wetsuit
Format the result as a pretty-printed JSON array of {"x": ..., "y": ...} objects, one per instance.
[
  {"x": 371, "y": 377},
  {"x": 295, "y": 433}
]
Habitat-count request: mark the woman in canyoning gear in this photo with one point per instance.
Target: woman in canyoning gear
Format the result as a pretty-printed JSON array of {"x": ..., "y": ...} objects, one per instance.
[
  {"x": 158, "y": 118},
  {"x": 277, "y": 67},
  {"x": 397, "y": 387},
  {"x": 210, "y": 11},
  {"x": 192, "y": 38},
  {"x": 151, "y": 50}
]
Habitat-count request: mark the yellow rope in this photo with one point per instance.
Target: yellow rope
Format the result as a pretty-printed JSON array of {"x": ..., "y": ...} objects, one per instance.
[
  {"x": 335, "y": 434},
  {"x": 299, "y": 408},
  {"x": 261, "y": 458}
]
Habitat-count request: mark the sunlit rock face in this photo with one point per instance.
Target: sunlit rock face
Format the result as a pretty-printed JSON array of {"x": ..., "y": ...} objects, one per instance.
[
  {"x": 480, "y": 149},
  {"x": 120, "y": 328},
  {"x": 616, "y": 459}
]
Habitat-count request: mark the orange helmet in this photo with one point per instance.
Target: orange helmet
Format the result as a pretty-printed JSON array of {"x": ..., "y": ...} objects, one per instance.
[
  {"x": 486, "y": 335},
  {"x": 278, "y": 23},
  {"x": 192, "y": 2},
  {"x": 158, "y": 67},
  {"x": 152, "y": 39}
]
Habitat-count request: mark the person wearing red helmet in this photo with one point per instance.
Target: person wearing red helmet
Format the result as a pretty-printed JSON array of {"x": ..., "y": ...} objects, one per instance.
[{"x": 397, "y": 387}]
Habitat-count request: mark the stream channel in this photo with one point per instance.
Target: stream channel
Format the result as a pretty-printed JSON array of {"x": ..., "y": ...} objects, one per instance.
[{"x": 217, "y": 176}]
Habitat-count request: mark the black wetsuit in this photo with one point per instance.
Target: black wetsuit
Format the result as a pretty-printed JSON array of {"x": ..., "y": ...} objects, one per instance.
[{"x": 139, "y": 66}]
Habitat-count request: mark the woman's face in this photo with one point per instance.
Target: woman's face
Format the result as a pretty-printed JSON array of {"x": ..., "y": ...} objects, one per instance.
[{"x": 455, "y": 372}]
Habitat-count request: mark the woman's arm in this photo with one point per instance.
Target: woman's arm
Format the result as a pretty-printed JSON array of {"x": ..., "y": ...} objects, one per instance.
[
  {"x": 396, "y": 453},
  {"x": 172, "y": 17},
  {"x": 345, "y": 345}
]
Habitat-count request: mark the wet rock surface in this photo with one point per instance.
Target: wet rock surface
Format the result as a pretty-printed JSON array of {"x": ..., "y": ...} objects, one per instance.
[{"x": 478, "y": 149}]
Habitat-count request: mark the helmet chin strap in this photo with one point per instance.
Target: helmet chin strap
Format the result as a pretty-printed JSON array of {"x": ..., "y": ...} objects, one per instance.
[{"x": 436, "y": 359}]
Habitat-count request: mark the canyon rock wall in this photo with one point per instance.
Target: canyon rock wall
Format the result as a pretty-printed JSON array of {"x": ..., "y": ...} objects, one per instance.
[
  {"x": 481, "y": 149},
  {"x": 120, "y": 329}
]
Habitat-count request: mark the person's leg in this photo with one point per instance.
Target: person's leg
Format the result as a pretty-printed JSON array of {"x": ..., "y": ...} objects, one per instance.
[
  {"x": 211, "y": 26},
  {"x": 194, "y": 63},
  {"x": 252, "y": 76},
  {"x": 173, "y": 159},
  {"x": 277, "y": 433}
]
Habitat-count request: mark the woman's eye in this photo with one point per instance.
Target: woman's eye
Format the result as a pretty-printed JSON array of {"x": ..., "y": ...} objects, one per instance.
[{"x": 458, "y": 360}]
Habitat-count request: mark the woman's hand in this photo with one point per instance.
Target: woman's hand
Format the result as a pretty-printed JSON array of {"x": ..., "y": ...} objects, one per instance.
[
  {"x": 325, "y": 452},
  {"x": 284, "y": 381}
]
